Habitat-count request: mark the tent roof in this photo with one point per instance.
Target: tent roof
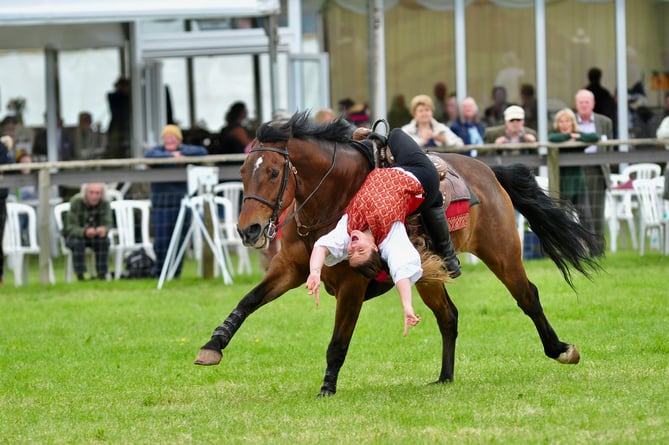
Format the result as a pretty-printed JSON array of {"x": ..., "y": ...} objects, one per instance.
[
  {"x": 43, "y": 12},
  {"x": 76, "y": 24}
]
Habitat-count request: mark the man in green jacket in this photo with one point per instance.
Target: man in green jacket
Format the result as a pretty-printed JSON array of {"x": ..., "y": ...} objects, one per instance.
[{"x": 87, "y": 225}]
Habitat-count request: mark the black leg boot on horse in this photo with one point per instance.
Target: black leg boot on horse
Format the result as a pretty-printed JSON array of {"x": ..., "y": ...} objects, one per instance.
[{"x": 436, "y": 226}]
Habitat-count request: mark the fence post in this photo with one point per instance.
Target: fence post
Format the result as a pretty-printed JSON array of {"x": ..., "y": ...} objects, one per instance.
[
  {"x": 44, "y": 212},
  {"x": 553, "y": 164},
  {"x": 207, "y": 253}
]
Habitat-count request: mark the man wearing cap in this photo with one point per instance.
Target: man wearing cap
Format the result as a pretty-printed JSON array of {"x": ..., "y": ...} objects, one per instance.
[
  {"x": 166, "y": 196},
  {"x": 513, "y": 130}
]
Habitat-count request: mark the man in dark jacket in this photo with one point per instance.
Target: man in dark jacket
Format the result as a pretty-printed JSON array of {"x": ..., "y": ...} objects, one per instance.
[{"x": 87, "y": 225}]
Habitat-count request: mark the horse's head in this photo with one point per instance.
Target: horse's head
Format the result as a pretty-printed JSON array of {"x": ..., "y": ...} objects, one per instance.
[
  {"x": 269, "y": 188},
  {"x": 295, "y": 161}
]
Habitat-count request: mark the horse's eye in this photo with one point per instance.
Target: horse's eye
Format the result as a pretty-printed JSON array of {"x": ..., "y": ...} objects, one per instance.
[{"x": 274, "y": 174}]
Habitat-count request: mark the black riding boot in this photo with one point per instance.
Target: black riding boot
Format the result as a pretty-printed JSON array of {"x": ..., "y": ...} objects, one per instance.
[{"x": 436, "y": 226}]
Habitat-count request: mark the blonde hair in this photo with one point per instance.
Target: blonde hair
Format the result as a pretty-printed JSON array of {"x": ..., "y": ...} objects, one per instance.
[
  {"x": 173, "y": 130},
  {"x": 421, "y": 99},
  {"x": 568, "y": 113}
]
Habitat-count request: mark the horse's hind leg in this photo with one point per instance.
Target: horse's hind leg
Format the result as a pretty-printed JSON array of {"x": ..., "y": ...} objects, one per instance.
[
  {"x": 436, "y": 298},
  {"x": 508, "y": 267}
]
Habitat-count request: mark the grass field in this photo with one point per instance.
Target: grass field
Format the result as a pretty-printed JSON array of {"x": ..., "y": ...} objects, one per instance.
[{"x": 100, "y": 362}]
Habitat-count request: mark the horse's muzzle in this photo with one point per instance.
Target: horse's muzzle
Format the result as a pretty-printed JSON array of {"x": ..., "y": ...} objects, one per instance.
[{"x": 254, "y": 236}]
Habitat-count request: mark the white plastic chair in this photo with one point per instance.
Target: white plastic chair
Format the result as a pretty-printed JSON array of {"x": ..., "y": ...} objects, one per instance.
[
  {"x": 229, "y": 235},
  {"x": 16, "y": 247},
  {"x": 114, "y": 195},
  {"x": 198, "y": 203},
  {"x": 619, "y": 208},
  {"x": 128, "y": 214},
  {"x": 644, "y": 170},
  {"x": 59, "y": 212},
  {"x": 653, "y": 217},
  {"x": 234, "y": 191},
  {"x": 660, "y": 188}
]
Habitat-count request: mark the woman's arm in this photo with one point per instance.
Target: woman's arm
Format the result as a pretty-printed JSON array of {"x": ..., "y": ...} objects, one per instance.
[
  {"x": 405, "y": 268},
  {"x": 157, "y": 152},
  {"x": 316, "y": 262},
  {"x": 443, "y": 135},
  {"x": 410, "y": 318},
  {"x": 241, "y": 134},
  {"x": 588, "y": 137},
  {"x": 556, "y": 136},
  {"x": 329, "y": 249},
  {"x": 193, "y": 150}
]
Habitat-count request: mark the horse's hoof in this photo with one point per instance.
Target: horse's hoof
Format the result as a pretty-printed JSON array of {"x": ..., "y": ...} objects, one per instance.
[
  {"x": 325, "y": 393},
  {"x": 208, "y": 357},
  {"x": 441, "y": 382},
  {"x": 569, "y": 357}
]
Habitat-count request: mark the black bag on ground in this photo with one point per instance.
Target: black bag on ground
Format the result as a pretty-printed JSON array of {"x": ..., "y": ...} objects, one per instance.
[{"x": 138, "y": 265}]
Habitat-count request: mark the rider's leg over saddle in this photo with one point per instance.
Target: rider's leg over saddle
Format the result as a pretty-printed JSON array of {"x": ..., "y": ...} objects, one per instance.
[{"x": 434, "y": 218}]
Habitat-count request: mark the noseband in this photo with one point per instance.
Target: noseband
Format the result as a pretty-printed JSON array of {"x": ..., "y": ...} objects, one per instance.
[{"x": 273, "y": 226}]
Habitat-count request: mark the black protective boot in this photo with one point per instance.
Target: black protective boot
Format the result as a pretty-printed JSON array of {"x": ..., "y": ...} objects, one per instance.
[{"x": 436, "y": 226}]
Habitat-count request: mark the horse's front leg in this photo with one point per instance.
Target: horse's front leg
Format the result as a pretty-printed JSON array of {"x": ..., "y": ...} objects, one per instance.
[
  {"x": 436, "y": 298},
  {"x": 281, "y": 277},
  {"x": 350, "y": 296}
]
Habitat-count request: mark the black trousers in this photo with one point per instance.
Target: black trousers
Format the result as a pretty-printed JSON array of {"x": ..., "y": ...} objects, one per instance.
[
  {"x": 78, "y": 247},
  {"x": 412, "y": 158}
]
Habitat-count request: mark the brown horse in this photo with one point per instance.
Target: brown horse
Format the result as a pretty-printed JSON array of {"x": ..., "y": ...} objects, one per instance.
[{"x": 312, "y": 171}]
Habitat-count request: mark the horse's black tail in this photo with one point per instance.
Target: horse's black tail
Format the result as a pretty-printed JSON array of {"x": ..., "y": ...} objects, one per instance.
[{"x": 562, "y": 238}]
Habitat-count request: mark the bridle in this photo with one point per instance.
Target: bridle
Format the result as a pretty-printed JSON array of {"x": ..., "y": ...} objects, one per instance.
[{"x": 273, "y": 225}]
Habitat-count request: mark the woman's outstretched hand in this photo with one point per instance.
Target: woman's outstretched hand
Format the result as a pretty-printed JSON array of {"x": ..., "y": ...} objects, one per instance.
[
  {"x": 314, "y": 285},
  {"x": 410, "y": 319}
]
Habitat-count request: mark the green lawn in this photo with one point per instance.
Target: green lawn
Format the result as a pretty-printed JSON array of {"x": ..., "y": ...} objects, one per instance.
[{"x": 111, "y": 362}]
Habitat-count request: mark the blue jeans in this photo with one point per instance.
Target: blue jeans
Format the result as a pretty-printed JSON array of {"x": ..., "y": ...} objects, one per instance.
[{"x": 164, "y": 220}]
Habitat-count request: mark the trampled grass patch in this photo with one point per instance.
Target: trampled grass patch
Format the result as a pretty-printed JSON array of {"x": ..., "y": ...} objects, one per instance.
[{"x": 112, "y": 363}]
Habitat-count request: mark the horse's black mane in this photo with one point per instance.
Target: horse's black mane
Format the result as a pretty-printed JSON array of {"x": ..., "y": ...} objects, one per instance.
[{"x": 300, "y": 126}]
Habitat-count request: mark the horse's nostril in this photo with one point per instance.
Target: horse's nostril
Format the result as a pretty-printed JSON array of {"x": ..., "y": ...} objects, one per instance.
[
  {"x": 250, "y": 234},
  {"x": 254, "y": 231}
]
